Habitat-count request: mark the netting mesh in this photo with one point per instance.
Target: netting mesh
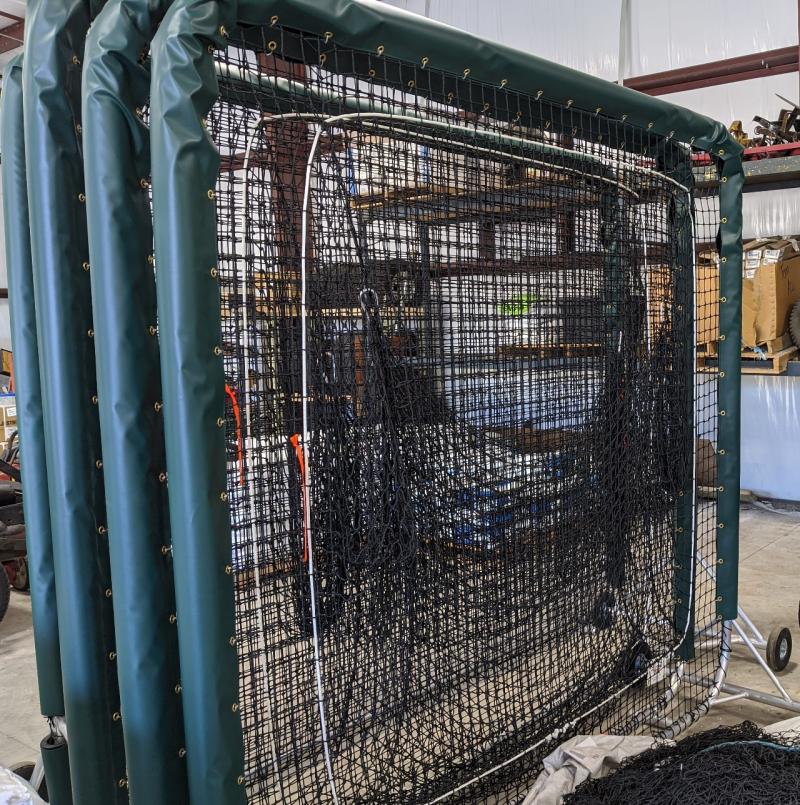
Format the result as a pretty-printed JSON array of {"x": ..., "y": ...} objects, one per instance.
[{"x": 466, "y": 439}]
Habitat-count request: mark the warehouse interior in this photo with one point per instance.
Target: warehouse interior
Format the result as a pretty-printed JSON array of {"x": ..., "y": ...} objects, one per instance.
[{"x": 399, "y": 402}]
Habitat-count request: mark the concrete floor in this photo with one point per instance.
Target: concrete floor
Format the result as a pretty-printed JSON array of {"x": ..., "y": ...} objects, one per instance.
[{"x": 769, "y": 592}]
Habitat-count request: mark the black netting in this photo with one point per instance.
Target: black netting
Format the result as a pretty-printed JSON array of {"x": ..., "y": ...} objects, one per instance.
[
  {"x": 463, "y": 425},
  {"x": 741, "y": 764}
]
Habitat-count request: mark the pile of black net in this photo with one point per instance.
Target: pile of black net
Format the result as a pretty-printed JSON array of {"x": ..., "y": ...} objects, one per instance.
[{"x": 739, "y": 764}]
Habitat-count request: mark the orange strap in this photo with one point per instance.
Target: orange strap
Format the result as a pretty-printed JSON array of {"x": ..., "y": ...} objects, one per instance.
[
  {"x": 239, "y": 447},
  {"x": 301, "y": 462}
]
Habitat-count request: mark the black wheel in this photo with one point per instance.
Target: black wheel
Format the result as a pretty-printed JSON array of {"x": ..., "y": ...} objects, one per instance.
[
  {"x": 25, "y": 771},
  {"x": 794, "y": 324},
  {"x": 22, "y": 580},
  {"x": 638, "y": 661},
  {"x": 779, "y": 648},
  {"x": 603, "y": 611},
  {"x": 5, "y": 592}
]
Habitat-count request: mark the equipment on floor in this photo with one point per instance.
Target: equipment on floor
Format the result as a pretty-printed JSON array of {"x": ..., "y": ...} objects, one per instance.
[{"x": 740, "y": 764}]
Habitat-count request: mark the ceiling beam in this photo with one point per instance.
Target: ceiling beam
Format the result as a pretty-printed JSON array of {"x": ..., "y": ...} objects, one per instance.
[
  {"x": 12, "y": 36},
  {"x": 712, "y": 74}
]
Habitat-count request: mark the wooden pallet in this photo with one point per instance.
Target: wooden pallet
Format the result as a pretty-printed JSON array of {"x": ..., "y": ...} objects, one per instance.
[
  {"x": 767, "y": 363},
  {"x": 770, "y": 358}
]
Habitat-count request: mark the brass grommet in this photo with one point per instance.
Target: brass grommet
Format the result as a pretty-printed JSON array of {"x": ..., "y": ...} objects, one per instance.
[
  {"x": 144, "y": 184},
  {"x": 380, "y": 50},
  {"x": 272, "y": 46},
  {"x": 680, "y": 493},
  {"x": 467, "y": 71},
  {"x": 178, "y": 688},
  {"x": 723, "y": 259},
  {"x": 720, "y": 561},
  {"x": 323, "y": 58},
  {"x": 273, "y": 19},
  {"x": 213, "y": 271},
  {"x": 722, "y": 374},
  {"x": 218, "y": 350},
  {"x": 117, "y": 715},
  {"x": 328, "y": 36},
  {"x": 724, "y": 220},
  {"x": 122, "y": 782},
  {"x": 82, "y": 197},
  {"x": 371, "y": 73},
  {"x": 211, "y": 195},
  {"x": 722, "y": 451},
  {"x": 152, "y": 329},
  {"x": 228, "y": 570},
  {"x": 158, "y": 406},
  {"x": 90, "y": 333},
  {"x": 724, "y": 179},
  {"x": 240, "y": 779},
  {"x": 220, "y": 421},
  {"x": 680, "y": 529},
  {"x": 539, "y": 94},
  {"x": 173, "y": 618},
  {"x": 425, "y": 61},
  {"x": 223, "y": 31},
  {"x": 162, "y": 476},
  {"x": 720, "y": 525},
  {"x": 722, "y": 413},
  {"x": 569, "y": 102},
  {"x": 211, "y": 49},
  {"x": 181, "y": 752},
  {"x": 232, "y": 641},
  {"x": 85, "y": 266},
  {"x": 76, "y": 60},
  {"x": 112, "y": 655},
  {"x": 94, "y": 399},
  {"x": 223, "y": 496},
  {"x": 411, "y": 84},
  {"x": 650, "y": 125},
  {"x": 101, "y": 529},
  {"x": 722, "y": 337},
  {"x": 151, "y": 260},
  {"x": 723, "y": 299},
  {"x": 98, "y": 464},
  {"x": 108, "y": 592},
  {"x": 721, "y": 151},
  {"x": 234, "y": 708},
  {"x": 165, "y": 550}
]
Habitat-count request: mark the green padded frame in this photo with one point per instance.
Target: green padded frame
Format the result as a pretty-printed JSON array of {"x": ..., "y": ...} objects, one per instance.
[
  {"x": 51, "y": 75},
  {"x": 185, "y": 168},
  {"x": 116, "y": 85}
]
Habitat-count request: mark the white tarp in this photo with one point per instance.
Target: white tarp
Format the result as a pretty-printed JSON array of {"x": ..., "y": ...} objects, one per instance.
[{"x": 15, "y": 791}]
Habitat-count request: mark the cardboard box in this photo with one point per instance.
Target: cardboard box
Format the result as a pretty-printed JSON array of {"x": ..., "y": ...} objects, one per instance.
[
  {"x": 707, "y": 322},
  {"x": 768, "y": 295}
]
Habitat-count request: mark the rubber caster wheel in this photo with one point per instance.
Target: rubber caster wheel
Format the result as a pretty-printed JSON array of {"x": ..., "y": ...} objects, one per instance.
[
  {"x": 22, "y": 581},
  {"x": 603, "y": 611},
  {"x": 25, "y": 771},
  {"x": 638, "y": 661},
  {"x": 779, "y": 648}
]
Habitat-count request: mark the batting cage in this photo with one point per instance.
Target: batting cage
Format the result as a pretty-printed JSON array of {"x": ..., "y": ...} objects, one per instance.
[{"x": 423, "y": 477}]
